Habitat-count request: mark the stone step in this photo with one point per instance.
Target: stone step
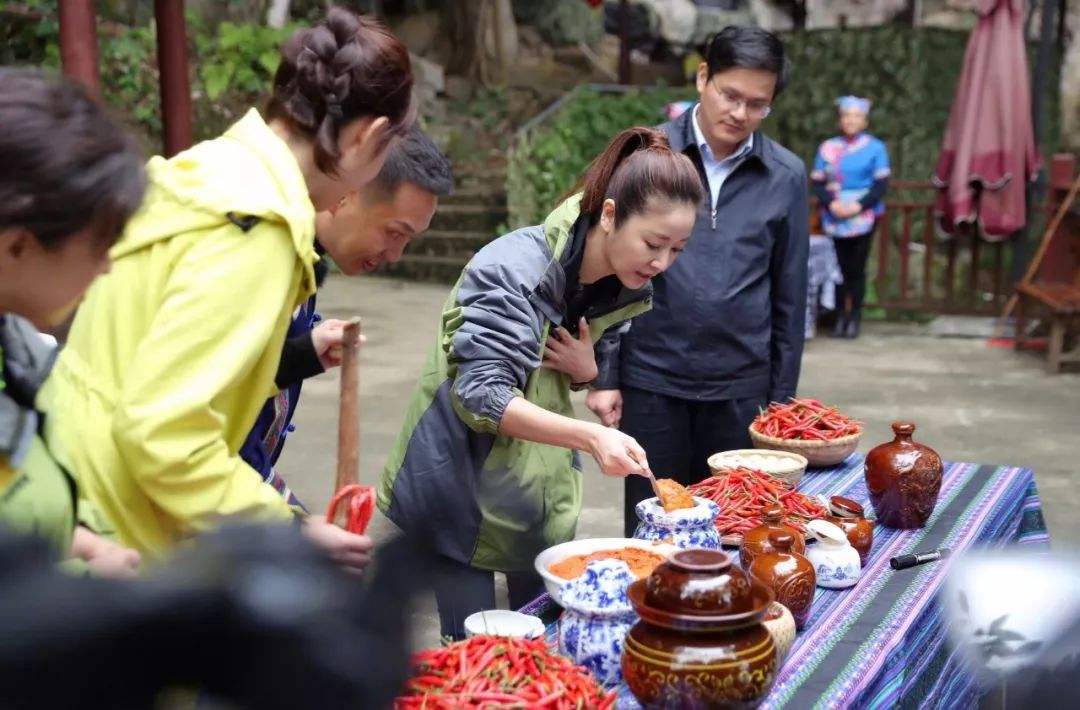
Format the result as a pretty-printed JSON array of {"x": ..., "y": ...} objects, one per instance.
[
  {"x": 469, "y": 218},
  {"x": 487, "y": 180},
  {"x": 447, "y": 243},
  {"x": 424, "y": 267},
  {"x": 475, "y": 196}
]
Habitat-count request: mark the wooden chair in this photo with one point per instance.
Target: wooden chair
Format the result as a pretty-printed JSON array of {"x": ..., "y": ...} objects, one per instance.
[{"x": 1052, "y": 283}]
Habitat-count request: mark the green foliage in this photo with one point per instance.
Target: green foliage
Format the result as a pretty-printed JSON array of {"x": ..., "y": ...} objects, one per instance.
[
  {"x": 546, "y": 164},
  {"x": 25, "y": 32},
  {"x": 129, "y": 79},
  {"x": 910, "y": 74},
  {"x": 561, "y": 22},
  {"x": 232, "y": 66}
]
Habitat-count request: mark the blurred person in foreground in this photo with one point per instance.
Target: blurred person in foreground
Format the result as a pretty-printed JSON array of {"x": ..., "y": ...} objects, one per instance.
[{"x": 72, "y": 178}]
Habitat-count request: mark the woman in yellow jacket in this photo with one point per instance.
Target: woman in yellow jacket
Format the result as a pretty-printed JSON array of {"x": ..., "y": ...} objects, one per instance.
[
  {"x": 172, "y": 354},
  {"x": 71, "y": 179}
]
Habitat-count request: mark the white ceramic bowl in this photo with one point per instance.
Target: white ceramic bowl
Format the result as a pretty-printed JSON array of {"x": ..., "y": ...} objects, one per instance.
[
  {"x": 558, "y": 553},
  {"x": 503, "y": 622}
]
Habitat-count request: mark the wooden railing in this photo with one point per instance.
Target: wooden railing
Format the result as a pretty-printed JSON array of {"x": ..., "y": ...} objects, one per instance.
[{"x": 919, "y": 268}]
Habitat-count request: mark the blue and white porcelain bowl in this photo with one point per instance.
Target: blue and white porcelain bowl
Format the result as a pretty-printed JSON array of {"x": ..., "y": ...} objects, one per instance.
[
  {"x": 689, "y": 527},
  {"x": 597, "y": 618}
]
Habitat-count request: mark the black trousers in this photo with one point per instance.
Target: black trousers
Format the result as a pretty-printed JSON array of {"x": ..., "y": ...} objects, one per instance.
[
  {"x": 852, "y": 253},
  {"x": 678, "y": 436},
  {"x": 461, "y": 590}
]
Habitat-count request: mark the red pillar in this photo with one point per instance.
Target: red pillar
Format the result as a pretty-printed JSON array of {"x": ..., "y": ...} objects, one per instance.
[
  {"x": 173, "y": 65},
  {"x": 78, "y": 43}
]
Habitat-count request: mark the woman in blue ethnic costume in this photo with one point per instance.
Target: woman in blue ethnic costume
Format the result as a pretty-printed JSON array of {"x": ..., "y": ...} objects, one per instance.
[{"x": 850, "y": 177}]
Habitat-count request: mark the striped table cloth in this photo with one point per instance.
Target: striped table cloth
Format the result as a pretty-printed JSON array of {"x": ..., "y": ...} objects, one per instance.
[{"x": 881, "y": 644}]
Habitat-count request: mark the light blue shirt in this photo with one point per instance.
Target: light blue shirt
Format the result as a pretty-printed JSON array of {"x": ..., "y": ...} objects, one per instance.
[{"x": 717, "y": 171}]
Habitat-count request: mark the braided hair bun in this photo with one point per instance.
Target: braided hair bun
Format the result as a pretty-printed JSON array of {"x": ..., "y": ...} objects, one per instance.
[{"x": 345, "y": 68}]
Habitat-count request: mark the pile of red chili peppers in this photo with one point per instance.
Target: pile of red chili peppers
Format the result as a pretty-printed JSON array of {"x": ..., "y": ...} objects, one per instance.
[
  {"x": 495, "y": 672},
  {"x": 742, "y": 495},
  {"x": 806, "y": 419},
  {"x": 359, "y": 504}
]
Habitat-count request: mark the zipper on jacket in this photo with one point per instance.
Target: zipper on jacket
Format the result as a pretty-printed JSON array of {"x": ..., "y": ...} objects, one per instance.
[{"x": 714, "y": 217}]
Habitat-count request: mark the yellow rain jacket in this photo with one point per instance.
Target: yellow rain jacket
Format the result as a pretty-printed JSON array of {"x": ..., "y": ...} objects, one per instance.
[{"x": 173, "y": 353}]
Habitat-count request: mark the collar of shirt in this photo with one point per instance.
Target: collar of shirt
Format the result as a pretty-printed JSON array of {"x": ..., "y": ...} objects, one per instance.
[{"x": 717, "y": 171}]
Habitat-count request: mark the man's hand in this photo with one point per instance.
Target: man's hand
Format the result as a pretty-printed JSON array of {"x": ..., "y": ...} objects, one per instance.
[
  {"x": 351, "y": 551},
  {"x": 607, "y": 405},
  {"x": 327, "y": 337},
  {"x": 573, "y": 356}
]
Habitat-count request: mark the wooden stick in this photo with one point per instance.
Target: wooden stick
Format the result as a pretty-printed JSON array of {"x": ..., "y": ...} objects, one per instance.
[
  {"x": 348, "y": 460},
  {"x": 1036, "y": 261}
]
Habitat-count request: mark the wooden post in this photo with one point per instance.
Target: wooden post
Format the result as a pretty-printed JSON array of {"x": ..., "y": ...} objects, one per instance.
[
  {"x": 348, "y": 463},
  {"x": 173, "y": 65},
  {"x": 78, "y": 43}
]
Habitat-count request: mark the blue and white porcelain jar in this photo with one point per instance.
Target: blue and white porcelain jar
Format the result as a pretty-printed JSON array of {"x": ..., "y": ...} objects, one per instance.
[
  {"x": 836, "y": 562},
  {"x": 597, "y": 618},
  {"x": 689, "y": 527}
]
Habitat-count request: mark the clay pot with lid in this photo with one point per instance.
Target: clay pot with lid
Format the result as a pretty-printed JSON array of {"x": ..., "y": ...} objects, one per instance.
[
  {"x": 700, "y": 605},
  {"x": 788, "y": 574},
  {"x": 849, "y": 517},
  {"x": 903, "y": 478},
  {"x": 756, "y": 540}
]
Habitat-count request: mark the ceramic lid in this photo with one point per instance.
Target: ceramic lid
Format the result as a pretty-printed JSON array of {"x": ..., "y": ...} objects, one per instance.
[
  {"x": 782, "y": 540},
  {"x": 699, "y": 581},
  {"x": 826, "y": 532},
  {"x": 601, "y": 590},
  {"x": 845, "y": 507},
  {"x": 699, "y": 590}
]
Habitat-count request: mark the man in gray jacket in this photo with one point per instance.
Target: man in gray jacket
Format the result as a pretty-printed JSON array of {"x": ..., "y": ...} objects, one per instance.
[{"x": 725, "y": 335}]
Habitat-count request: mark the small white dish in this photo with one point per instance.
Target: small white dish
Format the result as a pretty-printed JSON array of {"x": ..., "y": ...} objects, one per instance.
[{"x": 503, "y": 622}]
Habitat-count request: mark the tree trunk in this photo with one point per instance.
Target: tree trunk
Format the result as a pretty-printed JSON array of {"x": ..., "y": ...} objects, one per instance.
[
  {"x": 484, "y": 39},
  {"x": 278, "y": 14},
  {"x": 798, "y": 14}
]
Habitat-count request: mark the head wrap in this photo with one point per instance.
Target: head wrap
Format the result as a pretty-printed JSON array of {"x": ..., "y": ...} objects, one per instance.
[{"x": 854, "y": 103}]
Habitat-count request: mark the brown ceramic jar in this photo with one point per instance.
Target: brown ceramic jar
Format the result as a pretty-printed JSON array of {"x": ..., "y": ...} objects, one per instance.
[
  {"x": 848, "y": 516},
  {"x": 756, "y": 540},
  {"x": 903, "y": 478},
  {"x": 788, "y": 574},
  {"x": 698, "y": 605}
]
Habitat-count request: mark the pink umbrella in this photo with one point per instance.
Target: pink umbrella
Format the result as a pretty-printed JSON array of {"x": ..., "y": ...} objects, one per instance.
[{"x": 988, "y": 153}]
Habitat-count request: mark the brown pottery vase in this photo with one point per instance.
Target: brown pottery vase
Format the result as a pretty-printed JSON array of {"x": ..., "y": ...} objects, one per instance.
[
  {"x": 849, "y": 517},
  {"x": 903, "y": 478},
  {"x": 700, "y": 641},
  {"x": 756, "y": 540},
  {"x": 788, "y": 574}
]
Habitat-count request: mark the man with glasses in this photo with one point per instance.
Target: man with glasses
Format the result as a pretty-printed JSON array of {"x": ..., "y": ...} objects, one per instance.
[{"x": 725, "y": 335}]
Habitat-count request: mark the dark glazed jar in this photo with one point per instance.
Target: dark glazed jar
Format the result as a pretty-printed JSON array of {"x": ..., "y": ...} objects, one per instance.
[
  {"x": 849, "y": 517},
  {"x": 903, "y": 478},
  {"x": 788, "y": 574},
  {"x": 756, "y": 540},
  {"x": 698, "y": 605}
]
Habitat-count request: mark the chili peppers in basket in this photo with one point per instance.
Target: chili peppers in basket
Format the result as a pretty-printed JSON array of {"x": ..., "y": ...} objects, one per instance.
[
  {"x": 359, "y": 502},
  {"x": 743, "y": 493},
  {"x": 495, "y": 672},
  {"x": 805, "y": 419}
]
